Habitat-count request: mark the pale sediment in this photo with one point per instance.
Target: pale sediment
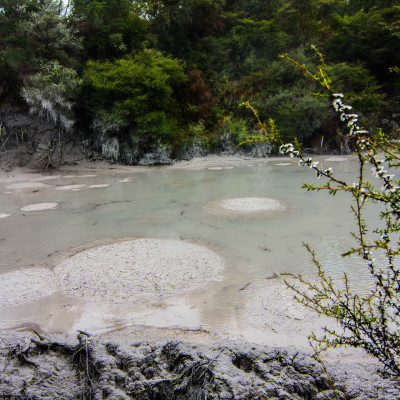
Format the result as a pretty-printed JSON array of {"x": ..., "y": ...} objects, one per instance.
[
  {"x": 270, "y": 310},
  {"x": 102, "y": 185},
  {"x": 250, "y": 204},
  {"x": 70, "y": 187},
  {"x": 40, "y": 207},
  {"x": 26, "y": 286},
  {"x": 244, "y": 206},
  {"x": 4, "y": 215},
  {"x": 336, "y": 159},
  {"x": 138, "y": 270},
  {"x": 27, "y": 185}
]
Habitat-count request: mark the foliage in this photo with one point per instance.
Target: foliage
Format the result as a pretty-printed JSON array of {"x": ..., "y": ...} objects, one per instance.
[
  {"x": 269, "y": 131},
  {"x": 52, "y": 92},
  {"x": 134, "y": 96},
  {"x": 229, "y": 52},
  {"x": 39, "y": 36},
  {"x": 109, "y": 28},
  {"x": 370, "y": 321},
  {"x": 35, "y": 34},
  {"x": 370, "y": 37}
]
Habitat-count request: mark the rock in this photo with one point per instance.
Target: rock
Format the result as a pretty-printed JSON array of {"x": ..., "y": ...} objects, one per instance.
[{"x": 35, "y": 367}]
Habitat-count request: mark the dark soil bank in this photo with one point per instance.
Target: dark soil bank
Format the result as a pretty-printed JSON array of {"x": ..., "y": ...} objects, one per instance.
[
  {"x": 29, "y": 141},
  {"x": 53, "y": 367}
]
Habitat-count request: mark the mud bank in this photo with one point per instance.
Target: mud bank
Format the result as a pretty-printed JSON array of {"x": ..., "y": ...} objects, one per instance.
[{"x": 56, "y": 367}]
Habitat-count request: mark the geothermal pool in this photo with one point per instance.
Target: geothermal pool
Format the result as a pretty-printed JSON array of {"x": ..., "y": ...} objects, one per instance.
[{"x": 46, "y": 218}]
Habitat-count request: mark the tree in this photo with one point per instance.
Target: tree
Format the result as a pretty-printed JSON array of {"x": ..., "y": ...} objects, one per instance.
[
  {"x": 35, "y": 34},
  {"x": 371, "y": 38},
  {"x": 133, "y": 98},
  {"x": 52, "y": 92},
  {"x": 109, "y": 28}
]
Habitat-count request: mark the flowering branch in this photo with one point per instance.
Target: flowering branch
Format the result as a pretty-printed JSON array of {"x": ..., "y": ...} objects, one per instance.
[{"x": 371, "y": 321}]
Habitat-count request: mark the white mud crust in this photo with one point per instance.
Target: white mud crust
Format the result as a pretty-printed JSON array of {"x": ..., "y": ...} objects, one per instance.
[
  {"x": 251, "y": 204},
  {"x": 40, "y": 207},
  {"x": 70, "y": 187},
  {"x": 26, "y": 286},
  {"x": 138, "y": 270},
  {"x": 27, "y": 185},
  {"x": 337, "y": 159},
  {"x": 102, "y": 185},
  {"x": 4, "y": 215},
  {"x": 54, "y": 367}
]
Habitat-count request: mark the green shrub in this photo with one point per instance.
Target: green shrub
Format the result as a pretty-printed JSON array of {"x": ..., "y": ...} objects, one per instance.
[
  {"x": 134, "y": 96},
  {"x": 52, "y": 92}
]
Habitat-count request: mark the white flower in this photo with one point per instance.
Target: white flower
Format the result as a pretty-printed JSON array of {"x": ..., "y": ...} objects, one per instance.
[
  {"x": 337, "y": 95},
  {"x": 352, "y": 121},
  {"x": 362, "y": 131},
  {"x": 337, "y": 104}
]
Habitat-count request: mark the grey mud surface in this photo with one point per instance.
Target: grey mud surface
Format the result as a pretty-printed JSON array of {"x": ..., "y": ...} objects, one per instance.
[{"x": 55, "y": 367}]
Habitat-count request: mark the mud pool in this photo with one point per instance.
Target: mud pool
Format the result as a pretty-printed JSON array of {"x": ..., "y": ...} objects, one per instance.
[{"x": 45, "y": 218}]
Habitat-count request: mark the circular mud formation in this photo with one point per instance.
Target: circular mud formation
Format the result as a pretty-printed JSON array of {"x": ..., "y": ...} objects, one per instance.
[
  {"x": 27, "y": 185},
  {"x": 102, "y": 185},
  {"x": 251, "y": 204},
  {"x": 137, "y": 270},
  {"x": 336, "y": 159},
  {"x": 40, "y": 207},
  {"x": 26, "y": 286},
  {"x": 244, "y": 206},
  {"x": 70, "y": 187}
]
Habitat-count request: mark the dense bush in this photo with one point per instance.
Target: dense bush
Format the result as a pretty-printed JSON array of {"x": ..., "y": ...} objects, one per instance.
[
  {"x": 228, "y": 52},
  {"x": 52, "y": 92},
  {"x": 134, "y": 98}
]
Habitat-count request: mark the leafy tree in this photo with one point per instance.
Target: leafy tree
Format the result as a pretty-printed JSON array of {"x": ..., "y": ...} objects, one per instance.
[
  {"x": 371, "y": 38},
  {"x": 362, "y": 91},
  {"x": 110, "y": 28},
  {"x": 36, "y": 34},
  {"x": 52, "y": 92},
  {"x": 49, "y": 37},
  {"x": 134, "y": 98}
]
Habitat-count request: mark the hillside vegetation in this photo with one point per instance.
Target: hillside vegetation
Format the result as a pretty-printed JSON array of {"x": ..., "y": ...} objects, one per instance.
[{"x": 148, "y": 81}]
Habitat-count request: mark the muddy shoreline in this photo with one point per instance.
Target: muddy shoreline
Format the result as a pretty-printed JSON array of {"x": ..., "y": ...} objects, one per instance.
[{"x": 56, "y": 367}]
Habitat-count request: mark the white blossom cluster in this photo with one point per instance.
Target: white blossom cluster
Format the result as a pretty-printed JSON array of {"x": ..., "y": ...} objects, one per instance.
[
  {"x": 351, "y": 119},
  {"x": 289, "y": 149},
  {"x": 379, "y": 171}
]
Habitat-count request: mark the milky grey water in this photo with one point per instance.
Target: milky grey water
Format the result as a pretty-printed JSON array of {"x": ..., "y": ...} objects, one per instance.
[{"x": 180, "y": 204}]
